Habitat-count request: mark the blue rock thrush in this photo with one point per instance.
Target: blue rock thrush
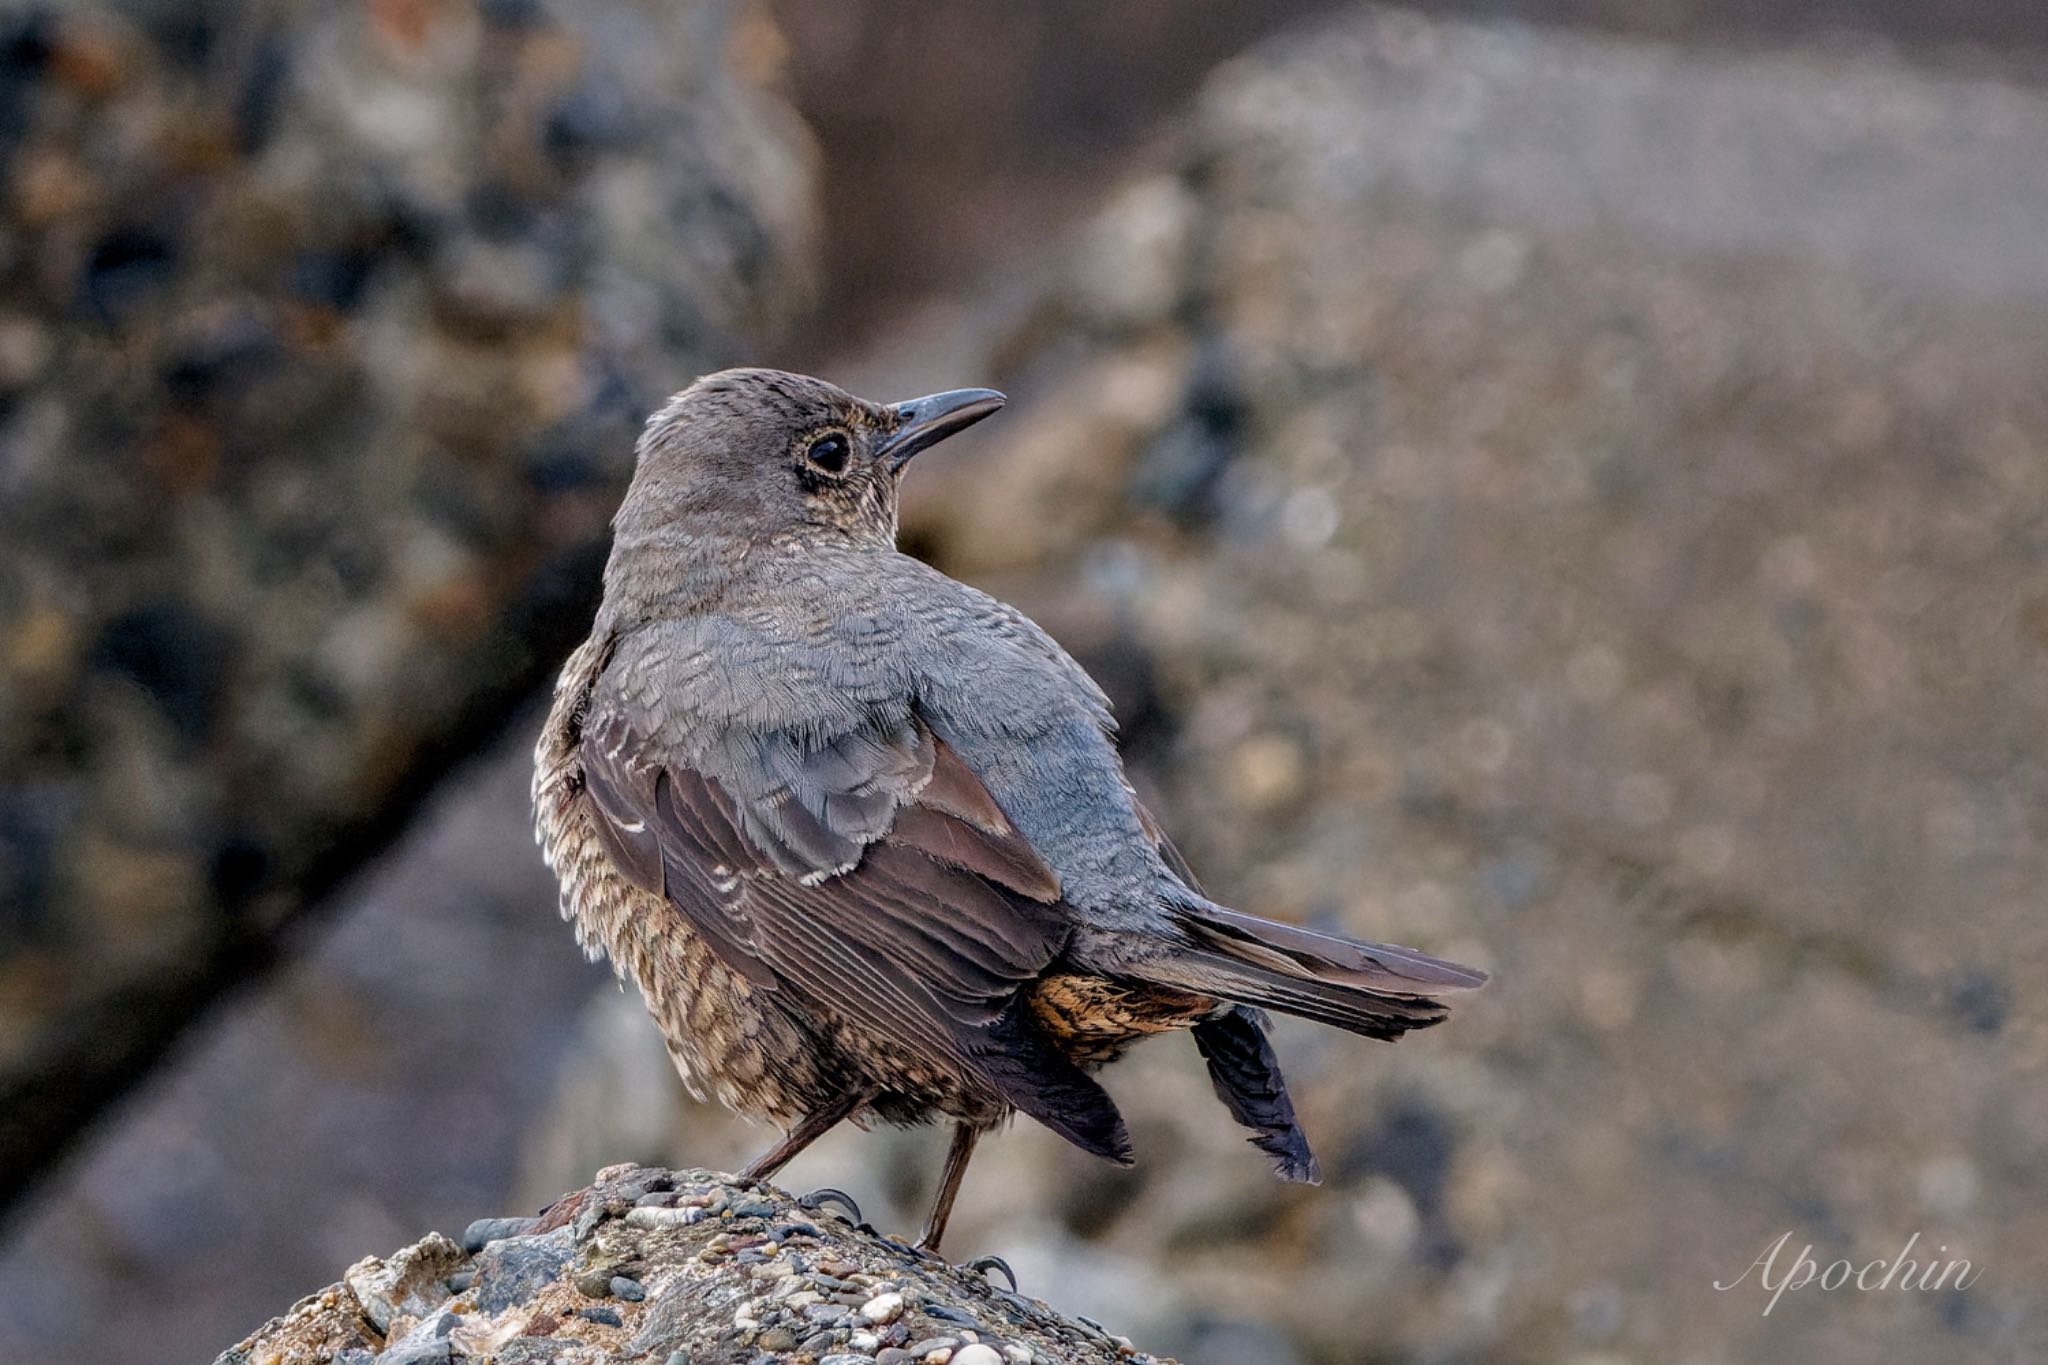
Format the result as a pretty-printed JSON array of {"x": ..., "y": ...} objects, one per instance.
[{"x": 860, "y": 833}]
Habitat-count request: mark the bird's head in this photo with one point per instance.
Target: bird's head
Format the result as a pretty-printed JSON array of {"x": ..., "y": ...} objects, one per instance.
[{"x": 764, "y": 453}]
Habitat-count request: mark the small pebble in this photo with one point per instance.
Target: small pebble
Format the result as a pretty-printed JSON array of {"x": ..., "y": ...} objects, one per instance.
[
  {"x": 677, "y": 1358},
  {"x": 594, "y": 1213},
  {"x": 423, "y": 1353},
  {"x": 977, "y": 1354},
  {"x": 753, "y": 1209},
  {"x": 484, "y": 1231},
  {"x": 777, "y": 1339},
  {"x": 608, "y": 1317},
  {"x": 947, "y": 1313},
  {"x": 816, "y": 1344},
  {"x": 882, "y": 1308},
  {"x": 656, "y": 1216},
  {"x": 462, "y": 1279},
  {"x": 930, "y": 1346},
  {"x": 595, "y": 1284},
  {"x": 893, "y": 1355},
  {"x": 627, "y": 1288}
]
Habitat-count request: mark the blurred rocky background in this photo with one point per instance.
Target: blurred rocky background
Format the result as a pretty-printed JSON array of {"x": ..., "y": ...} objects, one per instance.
[
  {"x": 326, "y": 333},
  {"x": 1571, "y": 498}
]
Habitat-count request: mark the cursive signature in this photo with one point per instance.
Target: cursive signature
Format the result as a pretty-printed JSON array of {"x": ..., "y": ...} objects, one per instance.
[{"x": 1872, "y": 1277}]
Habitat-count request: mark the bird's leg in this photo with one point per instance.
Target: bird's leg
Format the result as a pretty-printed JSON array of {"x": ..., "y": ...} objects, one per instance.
[
  {"x": 814, "y": 1126},
  {"x": 949, "y": 1185}
]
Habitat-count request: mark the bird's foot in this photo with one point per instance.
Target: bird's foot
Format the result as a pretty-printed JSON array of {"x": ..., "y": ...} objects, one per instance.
[
  {"x": 985, "y": 1264},
  {"x": 816, "y": 1200}
]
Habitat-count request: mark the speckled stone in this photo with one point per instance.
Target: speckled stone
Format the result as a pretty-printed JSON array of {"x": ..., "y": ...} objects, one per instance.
[
  {"x": 327, "y": 332},
  {"x": 689, "y": 1312}
]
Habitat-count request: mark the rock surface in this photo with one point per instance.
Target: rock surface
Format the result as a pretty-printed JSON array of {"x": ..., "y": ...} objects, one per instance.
[
  {"x": 327, "y": 332},
  {"x": 1580, "y": 507},
  {"x": 671, "y": 1266}
]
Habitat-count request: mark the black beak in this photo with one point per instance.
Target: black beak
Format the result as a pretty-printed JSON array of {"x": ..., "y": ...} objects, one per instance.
[{"x": 924, "y": 422}]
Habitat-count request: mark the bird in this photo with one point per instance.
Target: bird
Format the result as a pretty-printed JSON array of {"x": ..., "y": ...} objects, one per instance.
[{"x": 860, "y": 832}]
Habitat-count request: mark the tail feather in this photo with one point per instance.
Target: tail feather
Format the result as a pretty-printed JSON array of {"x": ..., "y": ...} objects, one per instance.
[
  {"x": 1355, "y": 1010},
  {"x": 1247, "y": 1078},
  {"x": 1378, "y": 966},
  {"x": 1375, "y": 989},
  {"x": 1032, "y": 1074}
]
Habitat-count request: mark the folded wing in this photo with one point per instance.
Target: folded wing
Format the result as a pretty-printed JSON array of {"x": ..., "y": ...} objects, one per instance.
[{"x": 868, "y": 871}]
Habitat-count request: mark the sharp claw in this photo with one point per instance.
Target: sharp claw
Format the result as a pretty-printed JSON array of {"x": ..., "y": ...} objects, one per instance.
[
  {"x": 816, "y": 1200},
  {"x": 985, "y": 1264}
]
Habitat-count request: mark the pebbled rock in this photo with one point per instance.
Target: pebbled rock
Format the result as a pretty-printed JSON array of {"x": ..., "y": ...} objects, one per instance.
[
  {"x": 696, "y": 1304},
  {"x": 510, "y": 1270},
  {"x": 408, "y": 1285}
]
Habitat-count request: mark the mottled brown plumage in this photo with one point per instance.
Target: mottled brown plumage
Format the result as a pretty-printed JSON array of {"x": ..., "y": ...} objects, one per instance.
[{"x": 858, "y": 832}]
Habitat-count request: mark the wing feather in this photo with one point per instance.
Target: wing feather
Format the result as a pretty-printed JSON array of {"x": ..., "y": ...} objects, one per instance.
[{"x": 866, "y": 869}]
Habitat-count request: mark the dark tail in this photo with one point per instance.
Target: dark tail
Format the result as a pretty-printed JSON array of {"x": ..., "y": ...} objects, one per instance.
[
  {"x": 1248, "y": 1081},
  {"x": 1374, "y": 989},
  {"x": 1036, "y": 1077}
]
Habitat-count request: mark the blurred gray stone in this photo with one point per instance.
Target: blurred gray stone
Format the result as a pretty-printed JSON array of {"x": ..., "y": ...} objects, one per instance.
[
  {"x": 327, "y": 333},
  {"x": 379, "y": 1083},
  {"x": 1580, "y": 507}
]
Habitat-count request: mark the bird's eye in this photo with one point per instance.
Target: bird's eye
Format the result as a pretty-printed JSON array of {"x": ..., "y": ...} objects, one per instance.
[{"x": 829, "y": 452}]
